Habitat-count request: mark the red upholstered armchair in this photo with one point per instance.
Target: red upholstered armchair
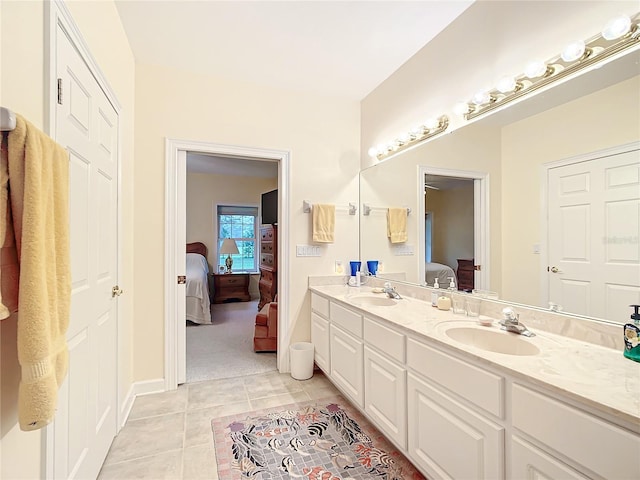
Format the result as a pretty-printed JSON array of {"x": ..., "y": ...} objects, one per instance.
[{"x": 265, "y": 338}]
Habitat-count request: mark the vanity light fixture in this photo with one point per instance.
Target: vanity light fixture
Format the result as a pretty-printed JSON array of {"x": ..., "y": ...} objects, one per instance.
[
  {"x": 431, "y": 128},
  {"x": 616, "y": 27},
  {"x": 618, "y": 35},
  {"x": 575, "y": 51}
]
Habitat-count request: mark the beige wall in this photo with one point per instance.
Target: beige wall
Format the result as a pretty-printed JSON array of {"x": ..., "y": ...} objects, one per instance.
[
  {"x": 604, "y": 119},
  {"x": 322, "y": 135},
  {"x": 205, "y": 192},
  {"x": 22, "y": 89}
]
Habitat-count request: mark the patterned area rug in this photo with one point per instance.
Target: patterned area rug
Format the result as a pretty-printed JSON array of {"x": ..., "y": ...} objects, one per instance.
[{"x": 317, "y": 440}]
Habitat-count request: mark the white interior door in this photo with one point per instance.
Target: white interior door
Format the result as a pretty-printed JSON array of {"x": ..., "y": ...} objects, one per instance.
[
  {"x": 87, "y": 125},
  {"x": 594, "y": 229}
]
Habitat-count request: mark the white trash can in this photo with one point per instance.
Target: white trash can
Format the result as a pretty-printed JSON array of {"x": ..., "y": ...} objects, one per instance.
[{"x": 301, "y": 359}]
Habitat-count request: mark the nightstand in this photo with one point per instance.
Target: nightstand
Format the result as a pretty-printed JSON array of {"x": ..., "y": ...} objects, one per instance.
[{"x": 230, "y": 287}]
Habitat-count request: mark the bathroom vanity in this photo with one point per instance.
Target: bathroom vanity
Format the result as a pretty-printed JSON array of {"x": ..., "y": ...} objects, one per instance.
[{"x": 464, "y": 401}]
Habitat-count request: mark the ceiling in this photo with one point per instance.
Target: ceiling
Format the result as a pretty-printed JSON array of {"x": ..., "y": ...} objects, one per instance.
[
  {"x": 334, "y": 48},
  {"x": 342, "y": 49}
]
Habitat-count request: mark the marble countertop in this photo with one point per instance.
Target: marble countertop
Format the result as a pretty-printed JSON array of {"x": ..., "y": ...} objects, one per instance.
[{"x": 591, "y": 374}]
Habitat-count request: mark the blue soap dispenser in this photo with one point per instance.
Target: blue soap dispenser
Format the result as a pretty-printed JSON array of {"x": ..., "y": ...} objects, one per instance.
[{"x": 632, "y": 336}]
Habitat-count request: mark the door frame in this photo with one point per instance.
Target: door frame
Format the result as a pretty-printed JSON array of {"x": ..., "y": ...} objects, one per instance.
[
  {"x": 57, "y": 14},
  {"x": 481, "y": 225},
  {"x": 544, "y": 200},
  {"x": 175, "y": 199}
]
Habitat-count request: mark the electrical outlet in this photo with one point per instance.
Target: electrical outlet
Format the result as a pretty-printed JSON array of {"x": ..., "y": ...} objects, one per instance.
[{"x": 339, "y": 267}]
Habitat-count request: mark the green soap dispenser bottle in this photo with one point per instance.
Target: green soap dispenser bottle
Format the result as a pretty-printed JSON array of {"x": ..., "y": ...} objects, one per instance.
[{"x": 632, "y": 336}]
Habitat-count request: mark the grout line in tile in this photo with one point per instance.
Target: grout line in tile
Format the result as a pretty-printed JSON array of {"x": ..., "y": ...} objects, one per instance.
[{"x": 142, "y": 458}]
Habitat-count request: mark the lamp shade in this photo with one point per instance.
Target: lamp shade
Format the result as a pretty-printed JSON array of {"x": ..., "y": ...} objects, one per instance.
[{"x": 229, "y": 247}]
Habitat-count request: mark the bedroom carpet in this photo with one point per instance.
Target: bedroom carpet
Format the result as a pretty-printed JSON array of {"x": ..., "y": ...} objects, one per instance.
[{"x": 225, "y": 348}]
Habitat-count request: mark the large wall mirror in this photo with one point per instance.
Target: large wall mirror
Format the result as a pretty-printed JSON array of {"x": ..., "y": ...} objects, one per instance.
[{"x": 543, "y": 195}]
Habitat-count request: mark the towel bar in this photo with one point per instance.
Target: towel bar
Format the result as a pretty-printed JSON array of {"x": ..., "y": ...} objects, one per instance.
[
  {"x": 7, "y": 119},
  {"x": 366, "y": 209},
  {"x": 306, "y": 207}
]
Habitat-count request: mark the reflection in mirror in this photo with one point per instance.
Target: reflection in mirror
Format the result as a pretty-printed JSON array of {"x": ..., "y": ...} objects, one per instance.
[{"x": 563, "y": 171}]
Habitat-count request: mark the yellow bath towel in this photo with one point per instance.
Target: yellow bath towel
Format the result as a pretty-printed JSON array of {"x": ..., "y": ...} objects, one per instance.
[
  {"x": 397, "y": 225},
  {"x": 324, "y": 221},
  {"x": 8, "y": 257},
  {"x": 39, "y": 199}
]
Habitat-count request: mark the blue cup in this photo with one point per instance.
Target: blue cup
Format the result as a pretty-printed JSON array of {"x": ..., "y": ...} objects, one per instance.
[
  {"x": 355, "y": 266},
  {"x": 372, "y": 266}
]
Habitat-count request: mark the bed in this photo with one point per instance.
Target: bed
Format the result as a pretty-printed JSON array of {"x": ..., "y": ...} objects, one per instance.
[
  {"x": 197, "y": 287},
  {"x": 441, "y": 272}
]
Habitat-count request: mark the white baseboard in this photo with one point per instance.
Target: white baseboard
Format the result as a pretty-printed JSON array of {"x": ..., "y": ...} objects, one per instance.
[{"x": 139, "y": 388}]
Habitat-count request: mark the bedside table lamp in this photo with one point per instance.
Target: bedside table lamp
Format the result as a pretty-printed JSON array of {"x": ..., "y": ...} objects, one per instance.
[{"x": 229, "y": 247}]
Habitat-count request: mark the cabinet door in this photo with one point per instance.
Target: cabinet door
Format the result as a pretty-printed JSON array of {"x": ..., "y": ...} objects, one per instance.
[
  {"x": 346, "y": 364},
  {"x": 320, "y": 340},
  {"x": 531, "y": 463},
  {"x": 385, "y": 385},
  {"x": 440, "y": 429}
]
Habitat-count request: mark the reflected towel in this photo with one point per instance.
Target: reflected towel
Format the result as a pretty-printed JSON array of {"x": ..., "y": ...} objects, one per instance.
[
  {"x": 397, "y": 225},
  {"x": 39, "y": 199},
  {"x": 324, "y": 221}
]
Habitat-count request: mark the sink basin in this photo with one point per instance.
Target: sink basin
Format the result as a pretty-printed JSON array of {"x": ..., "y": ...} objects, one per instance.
[
  {"x": 493, "y": 341},
  {"x": 371, "y": 301}
]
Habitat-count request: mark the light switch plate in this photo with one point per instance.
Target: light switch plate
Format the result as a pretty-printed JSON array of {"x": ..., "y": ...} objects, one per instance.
[
  {"x": 401, "y": 250},
  {"x": 308, "y": 251}
]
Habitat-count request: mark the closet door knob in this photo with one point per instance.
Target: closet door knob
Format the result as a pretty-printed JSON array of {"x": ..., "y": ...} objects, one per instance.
[
  {"x": 555, "y": 270},
  {"x": 116, "y": 291}
]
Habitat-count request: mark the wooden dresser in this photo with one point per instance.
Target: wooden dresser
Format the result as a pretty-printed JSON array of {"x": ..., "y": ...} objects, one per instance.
[
  {"x": 268, "y": 264},
  {"x": 230, "y": 287},
  {"x": 465, "y": 274}
]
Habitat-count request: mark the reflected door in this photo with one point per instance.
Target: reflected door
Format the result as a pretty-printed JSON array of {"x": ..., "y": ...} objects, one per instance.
[{"x": 594, "y": 229}]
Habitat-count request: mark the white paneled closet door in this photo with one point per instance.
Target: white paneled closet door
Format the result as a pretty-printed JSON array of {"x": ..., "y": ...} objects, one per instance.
[
  {"x": 594, "y": 229},
  {"x": 87, "y": 126}
]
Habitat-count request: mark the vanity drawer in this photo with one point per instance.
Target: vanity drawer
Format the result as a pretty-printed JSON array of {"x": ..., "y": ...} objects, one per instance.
[
  {"x": 384, "y": 339},
  {"x": 482, "y": 388},
  {"x": 595, "y": 444},
  {"x": 345, "y": 318},
  {"x": 320, "y": 304}
]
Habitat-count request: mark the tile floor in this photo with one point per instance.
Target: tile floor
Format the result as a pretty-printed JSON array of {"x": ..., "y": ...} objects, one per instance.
[{"x": 168, "y": 435}]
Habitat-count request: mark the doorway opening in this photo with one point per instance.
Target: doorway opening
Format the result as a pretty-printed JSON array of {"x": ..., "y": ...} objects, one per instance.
[
  {"x": 454, "y": 240},
  {"x": 177, "y": 152}
]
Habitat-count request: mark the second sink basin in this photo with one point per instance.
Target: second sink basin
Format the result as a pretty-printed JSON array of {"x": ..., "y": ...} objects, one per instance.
[
  {"x": 493, "y": 341},
  {"x": 369, "y": 300}
]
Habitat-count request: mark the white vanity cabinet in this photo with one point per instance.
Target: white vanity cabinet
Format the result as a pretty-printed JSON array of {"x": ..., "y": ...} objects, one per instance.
[
  {"x": 449, "y": 437},
  {"x": 457, "y": 417},
  {"x": 385, "y": 393},
  {"x": 346, "y": 363},
  {"x": 320, "y": 332},
  {"x": 385, "y": 380},
  {"x": 569, "y": 435}
]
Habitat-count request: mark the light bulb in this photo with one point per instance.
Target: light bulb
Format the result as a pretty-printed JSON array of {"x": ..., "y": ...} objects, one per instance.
[
  {"x": 481, "y": 97},
  {"x": 461, "y": 108},
  {"x": 373, "y": 152},
  {"x": 404, "y": 138},
  {"x": 432, "y": 123},
  {"x": 381, "y": 149},
  {"x": 616, "y": 27},
  {"x": 506, "y": 85},
  {"x": 416, "y": 131},
  {"x": 573, "y": 51},
  {"x": 535, "y": 69}
]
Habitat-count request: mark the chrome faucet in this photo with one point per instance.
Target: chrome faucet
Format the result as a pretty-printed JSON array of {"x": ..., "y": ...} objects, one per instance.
[
  {"x": 511, "y": 323},
  {"x": 391, "y": 291}
]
